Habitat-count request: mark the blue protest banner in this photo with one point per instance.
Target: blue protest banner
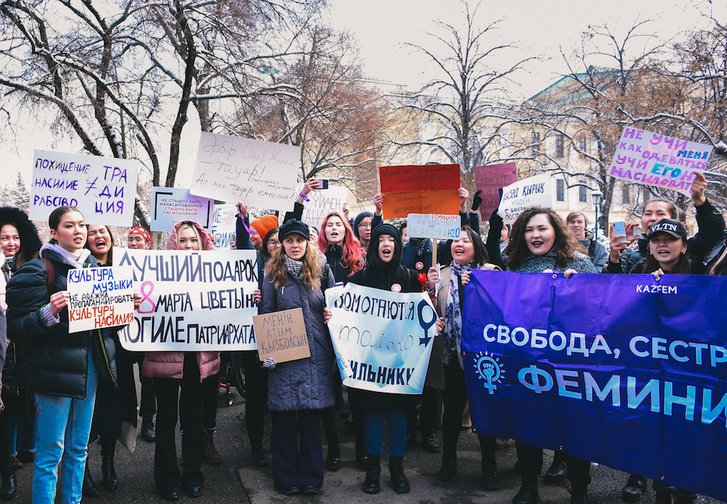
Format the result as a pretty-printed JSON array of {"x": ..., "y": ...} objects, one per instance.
[{"x": 618, "y": 369}]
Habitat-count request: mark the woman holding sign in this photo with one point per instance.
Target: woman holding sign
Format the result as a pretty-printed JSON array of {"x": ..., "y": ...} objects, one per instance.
[
  {"x": 181, "y": 379},
  {"x": 115, "y": 403},
  {"x": 468, "y": 253},
  {"x": 344, "y": 256},
  {"x": 384, "y": 271},
  {"x": 541, "y": 242},
  {"x": 67, "y": 366},
  {"x": 295, "y": 277}
]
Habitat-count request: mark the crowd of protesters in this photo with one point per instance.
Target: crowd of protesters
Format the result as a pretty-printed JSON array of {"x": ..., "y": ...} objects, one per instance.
[{"x": 62, "y": 390}]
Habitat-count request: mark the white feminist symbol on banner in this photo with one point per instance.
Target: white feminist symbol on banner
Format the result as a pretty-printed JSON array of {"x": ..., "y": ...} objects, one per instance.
[{"x": 490, "y": 370}]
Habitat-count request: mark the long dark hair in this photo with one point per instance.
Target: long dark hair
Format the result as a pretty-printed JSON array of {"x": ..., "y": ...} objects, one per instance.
[
  {"x": 481, "y": 256},
  {"x": 29, "y": 240},
  {"x": 110, "y": 255},
  {"x": 565, "y": 245}
]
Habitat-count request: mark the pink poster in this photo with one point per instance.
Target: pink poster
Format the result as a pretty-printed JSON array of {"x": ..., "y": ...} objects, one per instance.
[{"x": 490, "y": 179}]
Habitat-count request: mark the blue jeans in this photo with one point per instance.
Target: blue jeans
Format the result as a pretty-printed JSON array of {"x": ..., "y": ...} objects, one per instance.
[
  {"x": 375, "y": 431},
  {"x": 62, "y": 428}
]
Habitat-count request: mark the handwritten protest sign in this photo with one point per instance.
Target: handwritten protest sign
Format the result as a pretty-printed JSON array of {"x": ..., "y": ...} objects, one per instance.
[
  {"x": 262, "y": 174},
  {"x": 103, "y": 189},
  {"x": 532, "y": 191},
  {"x": 322, "y": 202},
  {"x": 281, "y": 335},
  {"x": 99, "y": 297},
  {"x": 440, "y": 227},
  {"x": 192, "y": 301},
  {"x": 382, "y": 339},
  {"x": 655, "y": 160},
  {"x": 223, "y": 226},
  {"x": 171, "y": 205},
  {"x": 489, "y": 180},
  {"x": 423, "y": 189}
]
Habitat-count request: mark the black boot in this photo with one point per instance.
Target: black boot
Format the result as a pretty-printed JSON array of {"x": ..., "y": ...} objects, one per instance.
[
  {"x": 449, "y": 466},
  {"x": 530, "y": 460},
  {"x": 108, "y": 471},
  {"x": 528, "y": 494},
  {"x": 578, "y": 493},
  {"x": 9, "y": 487},
  {"x": 558, "y": 470},
  {"x": 488, "y": 446},
  {"x": 373, "y": 472},
  {"x": 398, "y": 480},
  {"x": 634, "y": 489},
  {"x": 147, "y": 430},
  {"x": 211, "y": 455},
  {"x": 89, "y": 487},
  {"x": 429, "y": 441}
]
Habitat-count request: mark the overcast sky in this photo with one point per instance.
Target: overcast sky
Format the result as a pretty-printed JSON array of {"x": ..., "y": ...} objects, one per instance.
[{"x": 539, "y": 28}]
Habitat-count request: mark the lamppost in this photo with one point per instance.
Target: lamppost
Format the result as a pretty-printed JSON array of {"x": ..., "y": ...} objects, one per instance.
[{"x": 597, "y": 195}]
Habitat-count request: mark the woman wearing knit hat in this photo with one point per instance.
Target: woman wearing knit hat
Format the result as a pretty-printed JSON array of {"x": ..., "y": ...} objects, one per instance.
[
  {"x": 384, "y": 271},
  {"x": 296, "y": 277}
]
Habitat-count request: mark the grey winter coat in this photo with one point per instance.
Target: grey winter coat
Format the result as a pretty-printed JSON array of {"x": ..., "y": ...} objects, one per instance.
[{"x": 305, "y": 383}]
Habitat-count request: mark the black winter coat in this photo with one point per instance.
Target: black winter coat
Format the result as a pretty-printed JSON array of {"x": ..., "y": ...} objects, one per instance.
[
  {"x": 57, "y": 362},
  {"x": 379, "y": 279}
]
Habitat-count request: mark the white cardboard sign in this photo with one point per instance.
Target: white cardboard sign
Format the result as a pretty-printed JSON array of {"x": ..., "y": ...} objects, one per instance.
[
  {"x": 262, "y": 174},
  {"x": 532, "y": 191},
  {"x": 103, "y": 189},
  {"x": 434, "y": 226},
  {"x": 170, "y": 205}
]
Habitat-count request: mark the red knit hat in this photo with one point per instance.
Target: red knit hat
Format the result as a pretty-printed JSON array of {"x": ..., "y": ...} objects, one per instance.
[
  {"x": 264, "y": 224},
  {"x": 143, "y": 232}
]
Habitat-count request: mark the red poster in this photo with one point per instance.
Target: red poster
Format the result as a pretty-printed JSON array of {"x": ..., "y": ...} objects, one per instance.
[{"x": 423, "y": 189}]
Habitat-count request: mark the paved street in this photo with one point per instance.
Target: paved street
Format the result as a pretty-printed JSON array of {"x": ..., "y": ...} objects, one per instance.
[{"x": 236, "y": 482}]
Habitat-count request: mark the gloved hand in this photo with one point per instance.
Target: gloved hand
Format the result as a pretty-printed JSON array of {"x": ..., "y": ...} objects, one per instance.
[
  {"x": 476, "y": 201},
  {"x": 269, "y": 363}
]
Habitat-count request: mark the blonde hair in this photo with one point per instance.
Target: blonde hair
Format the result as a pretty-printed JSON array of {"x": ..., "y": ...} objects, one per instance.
[
  {"x": 311, "y": 271},
  {"x": 187, "y": 225}
]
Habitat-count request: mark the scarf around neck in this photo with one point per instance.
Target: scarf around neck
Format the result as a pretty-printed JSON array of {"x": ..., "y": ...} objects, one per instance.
[
  {"x": 294, "y": 267},
  {"x": 453, "y": 314}
]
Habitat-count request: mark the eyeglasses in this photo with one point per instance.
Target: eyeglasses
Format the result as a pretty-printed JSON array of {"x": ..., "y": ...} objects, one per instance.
[{"x": 365, "y": 226}]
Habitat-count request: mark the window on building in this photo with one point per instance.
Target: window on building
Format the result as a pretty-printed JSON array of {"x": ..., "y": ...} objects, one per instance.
[
  {"x": 535, "y": 141},
  {"x": 582, "y": 146},
  {"x": 559, "y": 150},
  {"x": 625, "y": 195},
  {"x": 560, "y": 190},
  {"x": 583, "y": 194}
]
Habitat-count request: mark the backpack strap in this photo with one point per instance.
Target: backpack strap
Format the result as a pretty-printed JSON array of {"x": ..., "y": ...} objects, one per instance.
[
  {"x": 51, "y": 273},
  {"x": 592, "y": 249}
]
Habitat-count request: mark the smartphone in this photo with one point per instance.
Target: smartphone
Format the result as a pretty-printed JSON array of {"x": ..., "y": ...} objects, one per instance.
[
  {"x": 619, "y": 228},
  {"x": 322, "y": 183}
]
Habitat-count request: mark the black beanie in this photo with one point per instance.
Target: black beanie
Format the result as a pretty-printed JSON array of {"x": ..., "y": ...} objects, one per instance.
[
  {"x": 293, "y": 227},
  {"x": 372, "y": 253},
  {"x": 358, "y": 220}
]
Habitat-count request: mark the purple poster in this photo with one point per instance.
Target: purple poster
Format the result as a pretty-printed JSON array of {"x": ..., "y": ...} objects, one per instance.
[{"x": 618, "y": 369}]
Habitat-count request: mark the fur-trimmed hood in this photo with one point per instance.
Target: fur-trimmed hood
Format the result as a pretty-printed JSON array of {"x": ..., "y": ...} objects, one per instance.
[
  {"x": 29, "y": 240},
  {"x": 207, "y": 241}
]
